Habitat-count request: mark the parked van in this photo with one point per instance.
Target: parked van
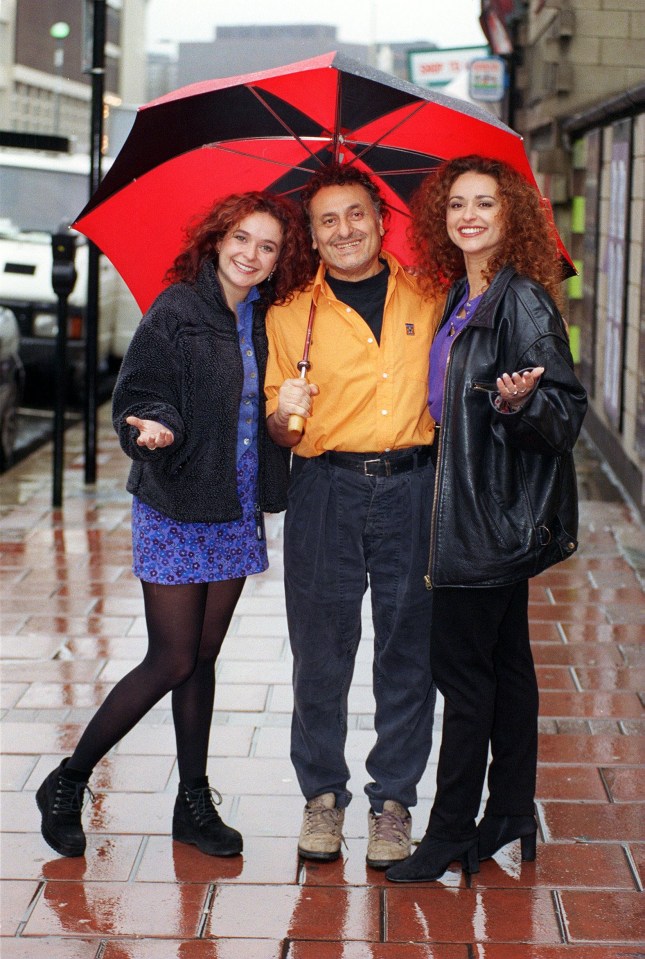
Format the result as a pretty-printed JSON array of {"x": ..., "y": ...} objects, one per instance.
[{"x": 42, "y": 193}]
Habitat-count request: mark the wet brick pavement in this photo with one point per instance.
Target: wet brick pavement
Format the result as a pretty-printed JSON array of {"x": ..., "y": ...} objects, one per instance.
[{"x": 72, "y": 625}]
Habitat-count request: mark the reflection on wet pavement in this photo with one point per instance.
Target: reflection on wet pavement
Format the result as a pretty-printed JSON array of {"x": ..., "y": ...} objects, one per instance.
[{"x": 72, "y": 625}]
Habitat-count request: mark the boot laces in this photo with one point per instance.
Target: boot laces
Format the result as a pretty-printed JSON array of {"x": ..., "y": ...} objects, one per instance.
[
  {"x": 202, "y": 803},
  {"x": 390, "y": 827},
  {"x": 69, "y": 796},
  {"x": 319, "y": 819}
]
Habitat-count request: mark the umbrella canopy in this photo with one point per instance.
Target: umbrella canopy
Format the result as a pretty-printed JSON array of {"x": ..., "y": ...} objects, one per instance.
[{"x": 270, "y": 131}]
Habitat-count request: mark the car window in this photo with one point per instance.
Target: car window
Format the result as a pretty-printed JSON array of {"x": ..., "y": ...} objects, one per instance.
[{"x": 35, "y": 199}]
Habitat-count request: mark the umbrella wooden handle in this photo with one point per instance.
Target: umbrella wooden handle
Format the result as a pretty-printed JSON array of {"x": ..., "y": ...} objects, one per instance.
[{"x": 296, "y": 423}]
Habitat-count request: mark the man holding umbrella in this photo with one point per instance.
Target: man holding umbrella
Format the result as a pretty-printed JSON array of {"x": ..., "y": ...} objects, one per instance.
[{"x": 359, "y": 511}]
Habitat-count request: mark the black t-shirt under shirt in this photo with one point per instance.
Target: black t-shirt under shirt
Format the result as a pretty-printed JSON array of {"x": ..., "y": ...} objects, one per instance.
[{"x": 367, "y": 297}]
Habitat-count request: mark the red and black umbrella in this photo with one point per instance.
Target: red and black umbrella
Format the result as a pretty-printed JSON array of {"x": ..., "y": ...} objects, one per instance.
[{"x": 270, "y": 131}]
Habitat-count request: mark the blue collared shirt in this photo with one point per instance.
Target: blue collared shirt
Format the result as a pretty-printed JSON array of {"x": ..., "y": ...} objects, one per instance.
[{"x": 247, "y": 428}]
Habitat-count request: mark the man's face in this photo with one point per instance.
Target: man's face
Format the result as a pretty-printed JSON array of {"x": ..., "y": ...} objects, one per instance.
[{"x": 346, "y": 231}]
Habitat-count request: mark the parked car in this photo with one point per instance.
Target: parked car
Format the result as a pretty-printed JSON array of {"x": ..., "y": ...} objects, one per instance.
[
  {"x": 12, "y": 381},
  {"x": 40, "y": 191}
]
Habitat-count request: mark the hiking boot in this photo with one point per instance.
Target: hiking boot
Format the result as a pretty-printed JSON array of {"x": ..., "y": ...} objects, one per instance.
[
  {"x": 196, "y": 822},
  {"x": 60, "y": 800},
  {"x": 389, "y": 835},
  {"x": 322, "y": 829}
]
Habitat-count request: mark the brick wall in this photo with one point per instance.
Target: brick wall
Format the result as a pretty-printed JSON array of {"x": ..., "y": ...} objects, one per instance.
[{"x": 577, "y": 60}]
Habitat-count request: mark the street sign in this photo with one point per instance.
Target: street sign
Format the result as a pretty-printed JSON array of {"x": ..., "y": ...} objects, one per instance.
[
  {"x": 438, "y": 68},
  {"x": 487, "y": 79}
]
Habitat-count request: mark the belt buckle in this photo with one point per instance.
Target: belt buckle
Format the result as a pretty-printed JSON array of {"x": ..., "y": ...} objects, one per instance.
[{"x": 380, "y": 462}]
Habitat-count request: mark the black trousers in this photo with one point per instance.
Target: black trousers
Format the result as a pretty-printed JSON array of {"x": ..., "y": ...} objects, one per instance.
[{"x": 482, "y": 664}]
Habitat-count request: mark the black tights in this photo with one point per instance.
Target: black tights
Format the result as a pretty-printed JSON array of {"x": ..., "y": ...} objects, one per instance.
[{"x": 186, "y": 629}]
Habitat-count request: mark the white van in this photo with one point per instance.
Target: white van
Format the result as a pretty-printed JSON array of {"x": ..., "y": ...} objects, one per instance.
[{"x": 40, "y": 194}]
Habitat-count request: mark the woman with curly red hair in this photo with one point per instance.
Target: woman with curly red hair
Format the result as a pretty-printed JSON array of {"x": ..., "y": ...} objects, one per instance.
[
  {"x": 189, "y": 411},
  {"x": 508, "y": 409}
]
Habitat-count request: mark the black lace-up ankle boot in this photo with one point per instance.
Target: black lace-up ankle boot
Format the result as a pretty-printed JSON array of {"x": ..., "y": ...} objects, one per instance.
[
  {"x": 60, "y": 800},
  {"x": 197, "y": 822}
]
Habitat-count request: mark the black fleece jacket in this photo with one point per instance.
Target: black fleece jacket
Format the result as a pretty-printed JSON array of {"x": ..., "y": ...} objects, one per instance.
[{"x": 184, "y": 369}]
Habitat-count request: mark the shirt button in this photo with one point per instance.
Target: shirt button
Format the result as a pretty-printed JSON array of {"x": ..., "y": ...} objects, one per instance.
[
  {"x": 254, "y": 376},
  {"x": 249, "y": 420},
  {"x": 249, "y": 352},
  {"x": 370, "y": 339},
  {"x": 247, "y": 402},
  {"x": 385, "y": 376},
  {"x": 384, "y": 412},
  {"x": 348, "y": 309},
  {"x": 246, "y": 441}
]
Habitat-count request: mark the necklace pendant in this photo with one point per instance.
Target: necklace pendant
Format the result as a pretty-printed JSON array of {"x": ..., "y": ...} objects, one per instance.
[{"x": 452, "y": 330}]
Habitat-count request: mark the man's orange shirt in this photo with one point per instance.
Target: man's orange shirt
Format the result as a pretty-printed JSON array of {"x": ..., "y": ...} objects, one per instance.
[{"x": 372, "y": 397}]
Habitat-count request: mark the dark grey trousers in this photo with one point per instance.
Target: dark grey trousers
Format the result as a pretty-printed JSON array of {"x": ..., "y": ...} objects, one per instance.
[{"x": 344, "y": 531}]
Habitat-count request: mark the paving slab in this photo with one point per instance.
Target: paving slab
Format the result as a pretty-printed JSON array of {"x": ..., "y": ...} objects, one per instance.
[{"x": 72, "y": 624}]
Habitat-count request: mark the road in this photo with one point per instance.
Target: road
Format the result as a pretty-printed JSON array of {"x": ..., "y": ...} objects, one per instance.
[
  {"x": 35, "y": 427},
  {"x": 36, "y": 420}
]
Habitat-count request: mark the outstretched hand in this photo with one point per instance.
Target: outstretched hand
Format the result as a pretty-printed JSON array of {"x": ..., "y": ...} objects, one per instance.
[
  {"x": 152, "y": 435},
  {"x": 515, "y": 388}
]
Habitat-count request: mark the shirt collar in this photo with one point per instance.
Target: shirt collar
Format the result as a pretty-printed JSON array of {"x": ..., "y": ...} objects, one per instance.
[
  {"x": 252, "y": 295},
  {"x": 321, "y": 287}
]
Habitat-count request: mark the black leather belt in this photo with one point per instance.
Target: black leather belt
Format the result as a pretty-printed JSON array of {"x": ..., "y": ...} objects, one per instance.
[
  {"x": 434, "y": 449},
  {"x": 381, "y": 464}
]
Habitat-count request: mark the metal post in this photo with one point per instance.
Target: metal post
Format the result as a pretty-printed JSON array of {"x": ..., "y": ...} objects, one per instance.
[
  {"x": 512, "y": 62},
  {"x": 511, "y": 94},
  {"x": 59, "y": 408},
  {"x": 63, "y": 280},
  {"x": 97, "y": 72}
]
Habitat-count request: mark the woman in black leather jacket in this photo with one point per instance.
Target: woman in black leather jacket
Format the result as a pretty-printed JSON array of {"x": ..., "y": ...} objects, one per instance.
[
  {"x": 509, "y": 409},
  {"x": 189, "y": 410}
]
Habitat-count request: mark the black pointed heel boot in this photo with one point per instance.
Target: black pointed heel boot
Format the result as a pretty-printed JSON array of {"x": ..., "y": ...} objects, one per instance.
[
  {"x": 196, "y": 821},
  {"x": 495, "y": 832},
  {"x": 432, "y": 857},
  {"x": 60, "y": 800}
]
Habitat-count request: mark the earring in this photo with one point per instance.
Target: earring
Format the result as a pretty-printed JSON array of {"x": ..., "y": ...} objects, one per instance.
[{"x": 270, "y": 276}]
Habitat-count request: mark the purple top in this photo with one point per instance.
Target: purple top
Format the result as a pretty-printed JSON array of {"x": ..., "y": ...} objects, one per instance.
[{"x": 440, "y": 352}]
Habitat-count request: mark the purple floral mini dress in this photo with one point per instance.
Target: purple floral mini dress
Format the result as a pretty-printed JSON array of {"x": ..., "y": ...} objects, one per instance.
[{"x": 174, "y": 554}]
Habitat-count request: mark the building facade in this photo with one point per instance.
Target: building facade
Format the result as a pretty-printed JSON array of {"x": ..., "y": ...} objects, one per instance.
[
  {"x": 578, "y": 98},
  {"x": 46, "y": 56},
  {"x": 237, "y": 50}
]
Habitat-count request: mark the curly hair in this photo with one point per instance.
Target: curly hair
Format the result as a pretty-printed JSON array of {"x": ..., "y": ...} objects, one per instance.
[
  {"x": 529, "y": 240},
  {"x": 295, "y": 266},
  {"x": 336, "y": 174}
]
